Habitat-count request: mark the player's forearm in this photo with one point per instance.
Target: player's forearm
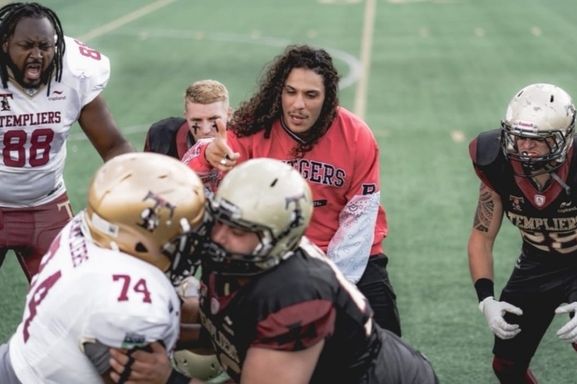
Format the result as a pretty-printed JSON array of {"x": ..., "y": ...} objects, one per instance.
[
  {"x": 351, "y": 245},
  {"x": 195, "y": 157},
  {"x": 480, "y": 252},
  {"x": 120, "y": 149},
  {"x": 350, "y": 258},
  {"x": 481, "y": 265},
  {"x": 189, "y": 337}
]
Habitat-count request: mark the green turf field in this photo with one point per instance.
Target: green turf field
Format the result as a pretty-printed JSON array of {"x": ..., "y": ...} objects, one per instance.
[{"x": 427, "y": 75}]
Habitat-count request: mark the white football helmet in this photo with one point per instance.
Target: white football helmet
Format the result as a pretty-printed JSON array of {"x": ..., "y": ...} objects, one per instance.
[
  {"x": 539, "y": 111},
  {"x": 202, "y": 367},
  {"x": 264, "y": 196},
  {"x": 149, "y": 206}
]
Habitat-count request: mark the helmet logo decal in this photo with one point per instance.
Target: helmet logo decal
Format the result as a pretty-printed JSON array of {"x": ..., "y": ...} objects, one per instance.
[
  {"x": 151, "y": 216},
  {"x": 526, "y": 125},
  {"x": 297, "y": 218}
]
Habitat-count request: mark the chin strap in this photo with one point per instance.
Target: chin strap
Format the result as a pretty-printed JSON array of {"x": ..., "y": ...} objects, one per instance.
[
  {"x": 550, "y": 169},
  {"x": 558, "y": 179}
]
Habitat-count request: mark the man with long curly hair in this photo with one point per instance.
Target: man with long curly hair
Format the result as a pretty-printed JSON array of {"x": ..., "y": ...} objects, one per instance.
[{"x": 295, "y": 117}]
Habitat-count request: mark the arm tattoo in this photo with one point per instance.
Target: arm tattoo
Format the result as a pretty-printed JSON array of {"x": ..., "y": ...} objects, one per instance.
[{"x": 485, "y": 208}]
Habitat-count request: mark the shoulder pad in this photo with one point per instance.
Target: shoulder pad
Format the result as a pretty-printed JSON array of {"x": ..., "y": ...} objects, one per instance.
[
  {"x": 161, "y": 135},
  {"x": 168, "y": 125},
  {"x": 84, "y": 62},
  {"x": 488, "y": 147},
  {"x": 85, "y": 70}
]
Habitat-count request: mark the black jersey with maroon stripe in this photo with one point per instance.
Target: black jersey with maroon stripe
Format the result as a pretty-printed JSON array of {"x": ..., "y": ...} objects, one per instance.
[
  {"x": 547, "y": 219},
  {"x": 292, "y": 307}
]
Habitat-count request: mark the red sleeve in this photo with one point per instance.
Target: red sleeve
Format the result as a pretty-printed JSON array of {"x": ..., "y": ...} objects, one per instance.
[
  {"x": 366, "y": 180},
  {"x": 296, "y": 327},
  {"x": 195, "y": 159},
  {"x": 366, "y": 175}
]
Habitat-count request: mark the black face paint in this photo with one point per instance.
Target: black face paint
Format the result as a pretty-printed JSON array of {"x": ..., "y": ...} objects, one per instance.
[{"x": 196, "y": 127}]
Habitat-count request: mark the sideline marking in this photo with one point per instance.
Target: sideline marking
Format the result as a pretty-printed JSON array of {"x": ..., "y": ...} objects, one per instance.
[
  {"x": 124, "y": 20},
  {"x": 355, "y": 66},
  {"x": 352, "y": 77},
  {"x": 366, "y": 48}
]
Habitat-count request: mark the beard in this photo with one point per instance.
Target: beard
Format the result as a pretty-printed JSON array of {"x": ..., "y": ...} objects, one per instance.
[{"x": 24, "y": 83}]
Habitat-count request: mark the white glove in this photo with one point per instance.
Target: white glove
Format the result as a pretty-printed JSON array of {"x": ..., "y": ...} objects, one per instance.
[
  {"x": 494, "y": 312},
  {"x": 568, "y": 332},
  {"x": 189, "y": 287}
]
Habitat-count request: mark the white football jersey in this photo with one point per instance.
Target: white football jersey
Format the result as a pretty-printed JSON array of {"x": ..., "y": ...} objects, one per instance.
[
  {"x": 34, "y": 128},
  {"x": 85, "y": 293}
]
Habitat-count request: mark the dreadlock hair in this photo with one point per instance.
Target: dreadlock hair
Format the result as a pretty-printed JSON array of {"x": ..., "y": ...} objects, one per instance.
[
  {"x": 265, "y": 106},
  {"x": 10, "y": 16}
]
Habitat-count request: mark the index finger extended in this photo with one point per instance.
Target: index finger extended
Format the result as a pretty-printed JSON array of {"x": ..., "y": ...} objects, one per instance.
[{"x": 221, "y": 128}]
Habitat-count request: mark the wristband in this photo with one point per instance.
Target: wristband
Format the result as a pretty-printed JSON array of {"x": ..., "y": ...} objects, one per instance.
[
  {"x": 484, "y": 288},
  {"x": 178, "y": 378}
]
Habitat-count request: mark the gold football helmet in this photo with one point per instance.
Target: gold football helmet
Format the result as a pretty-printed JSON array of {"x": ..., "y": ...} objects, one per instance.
[
  {"x": 150, "y": 206},
  {"x": 265, "y": 196},
  {"x": 539, "y": 111}
]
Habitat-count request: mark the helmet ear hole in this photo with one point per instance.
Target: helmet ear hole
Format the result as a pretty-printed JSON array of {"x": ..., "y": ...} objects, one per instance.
[{"x": 140, "y": 248}]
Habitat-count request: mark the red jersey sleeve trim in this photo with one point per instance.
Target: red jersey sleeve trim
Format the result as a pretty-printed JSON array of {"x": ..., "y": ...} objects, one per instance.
[{"x": 296, "y": 327}]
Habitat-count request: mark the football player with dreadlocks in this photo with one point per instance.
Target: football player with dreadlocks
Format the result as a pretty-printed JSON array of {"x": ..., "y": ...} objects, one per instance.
[
  {"x": 528, "y": 172},
  {"x": 272, "y": 305},
  {"x": 109, "y": 277},
  {"x": 49, "y": 82},
  {"x": 295, "y": 117}
]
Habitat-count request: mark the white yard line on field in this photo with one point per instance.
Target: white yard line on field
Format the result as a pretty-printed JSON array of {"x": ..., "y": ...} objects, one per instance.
[
  {"x": 366, "y": 49},
  {"x": 124, "y": 20}
]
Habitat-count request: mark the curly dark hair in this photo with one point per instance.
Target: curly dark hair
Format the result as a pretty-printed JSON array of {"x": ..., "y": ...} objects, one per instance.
[
  {"x": 265, "y": 106},
  {"x": 10, "y": 16}
]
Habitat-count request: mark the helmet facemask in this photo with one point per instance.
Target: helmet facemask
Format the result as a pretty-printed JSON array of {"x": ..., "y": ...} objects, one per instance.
[
  {"x": 268, "y": 198},
  {"x": 235, "y": 263},
  {"x": 558, "y": 142},
  {"x": 184, "y": 252}
]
